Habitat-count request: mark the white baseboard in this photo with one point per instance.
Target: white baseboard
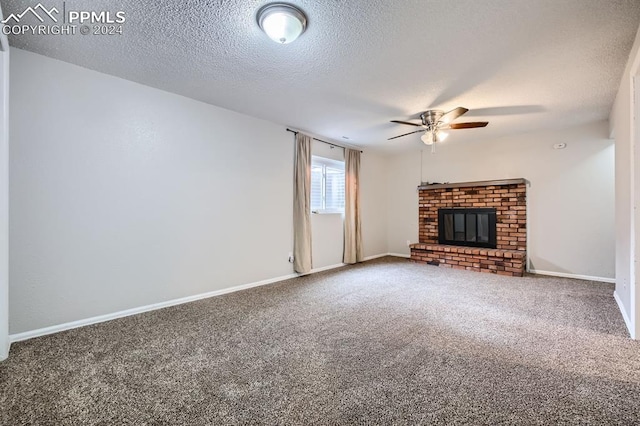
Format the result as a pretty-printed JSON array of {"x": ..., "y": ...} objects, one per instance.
[
  {"x": 625, "y": 317},
  {"x": 576, "y": 276},
  {"x": 375, "y": 256},
  {"x": 406, "y": 256},
  {"x": 339, "y": 265},
  {"x": 326, "y": 268},
  {"x": 18, "y": 337},
  {"x": 133, "y": 311},
  {"x": 4, "y": 352}
]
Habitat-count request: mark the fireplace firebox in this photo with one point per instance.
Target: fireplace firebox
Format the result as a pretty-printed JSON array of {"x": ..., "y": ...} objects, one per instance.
[{"x": 467, "y": 227}]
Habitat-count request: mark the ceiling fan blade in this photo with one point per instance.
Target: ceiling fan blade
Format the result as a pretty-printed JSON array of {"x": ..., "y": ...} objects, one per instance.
[
  {"x": 410, "y": 133},
  {"x": 406, "y": 122},
  {"x": 470, "y": 125},
  {"x": 452, "y": 115}
]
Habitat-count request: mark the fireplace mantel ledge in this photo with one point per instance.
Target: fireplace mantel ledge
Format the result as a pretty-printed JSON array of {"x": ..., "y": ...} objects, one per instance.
[{"x": 472, "y": 184}]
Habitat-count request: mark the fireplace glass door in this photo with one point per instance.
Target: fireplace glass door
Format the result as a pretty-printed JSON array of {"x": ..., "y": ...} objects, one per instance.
[{"x": 467, "y": 227}]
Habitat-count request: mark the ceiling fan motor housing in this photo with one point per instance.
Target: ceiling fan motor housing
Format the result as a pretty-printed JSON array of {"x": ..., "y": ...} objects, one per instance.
[
  {"x": 435, "y": 120},
  {"x": 431, "y": 117}
]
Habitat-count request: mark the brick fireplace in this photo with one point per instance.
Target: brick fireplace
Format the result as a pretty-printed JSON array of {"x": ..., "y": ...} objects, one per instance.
[{"x": 506, "y": 200}]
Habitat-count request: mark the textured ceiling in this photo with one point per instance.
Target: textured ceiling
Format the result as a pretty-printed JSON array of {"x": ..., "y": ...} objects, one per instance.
[{"x": 522, "y": 65}]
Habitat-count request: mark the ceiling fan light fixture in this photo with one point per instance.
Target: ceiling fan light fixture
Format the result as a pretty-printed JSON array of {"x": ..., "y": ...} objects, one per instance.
[
  {"x": 432, "y": 136},
  {"x": 434, "y": 121},
  {"x": 282, "y": 22},
  {"x": 427, "y": 138}
]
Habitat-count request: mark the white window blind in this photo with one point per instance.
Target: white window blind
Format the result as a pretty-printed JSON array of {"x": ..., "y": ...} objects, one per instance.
[
  {"x": 316, "y": 186},
  {"x": 327, "y": 185}
]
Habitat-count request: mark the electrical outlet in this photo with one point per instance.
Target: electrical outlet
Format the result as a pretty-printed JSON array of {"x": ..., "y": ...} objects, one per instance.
[
  {"x": 290, "y": 257},
  {"x": 408, "y": 243}
]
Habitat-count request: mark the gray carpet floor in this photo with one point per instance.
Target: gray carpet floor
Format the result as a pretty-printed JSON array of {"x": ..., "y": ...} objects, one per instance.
[{"x": 385, "y": 342}]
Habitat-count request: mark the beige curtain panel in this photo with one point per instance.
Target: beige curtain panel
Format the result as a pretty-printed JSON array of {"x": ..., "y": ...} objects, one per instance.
[
  {"x": 302, "y": 205},
  {"x": 352, "y": 225}
]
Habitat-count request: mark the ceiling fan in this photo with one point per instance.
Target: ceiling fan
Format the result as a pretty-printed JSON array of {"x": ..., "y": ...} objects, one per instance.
[{"x": 435, "y": 122}]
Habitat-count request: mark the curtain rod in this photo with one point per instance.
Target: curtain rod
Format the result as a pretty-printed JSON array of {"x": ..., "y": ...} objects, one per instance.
[{"x": 320, "y": 140}]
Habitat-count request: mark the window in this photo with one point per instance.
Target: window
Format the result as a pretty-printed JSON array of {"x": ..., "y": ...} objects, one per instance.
[{"x": 327, "y": 185}]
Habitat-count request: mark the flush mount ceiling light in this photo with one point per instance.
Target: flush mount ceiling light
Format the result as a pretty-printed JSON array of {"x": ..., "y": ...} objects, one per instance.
[{"x": 282, "y": 22}]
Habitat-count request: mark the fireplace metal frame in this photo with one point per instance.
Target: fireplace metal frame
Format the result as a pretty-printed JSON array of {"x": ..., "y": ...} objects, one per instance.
[{"x": 491, "y": 212}]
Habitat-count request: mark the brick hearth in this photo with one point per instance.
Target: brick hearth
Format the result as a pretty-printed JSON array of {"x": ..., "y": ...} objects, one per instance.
[{"x": 508, "y": 197}]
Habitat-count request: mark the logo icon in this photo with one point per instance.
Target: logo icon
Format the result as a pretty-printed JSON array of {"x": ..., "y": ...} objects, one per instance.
[{"x": 34, "y": 12}]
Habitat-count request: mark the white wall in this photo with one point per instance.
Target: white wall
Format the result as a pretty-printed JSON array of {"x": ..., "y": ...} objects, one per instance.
[
  {"x": 4, "y": 196},
  {"x": 402, "y": 213},
  {"x": 627, "y": 192},
  {"x": 124, "y": 196},
  {"x": 570, "y": 199},
  {"x": 327, "y": 230},
  {"x": 374, "y": 179}
]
